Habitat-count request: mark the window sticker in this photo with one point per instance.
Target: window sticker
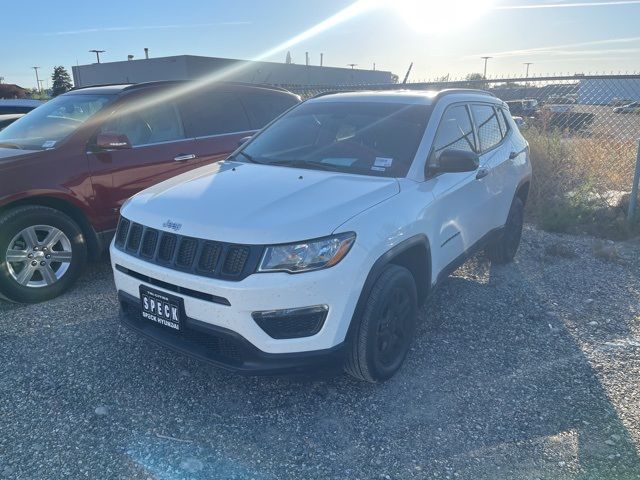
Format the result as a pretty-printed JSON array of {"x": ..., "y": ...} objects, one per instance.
[
  {"x": 49, "y": 144},
  {"x": 378, "y": 169},
  {"x": 385, "y": 162}
]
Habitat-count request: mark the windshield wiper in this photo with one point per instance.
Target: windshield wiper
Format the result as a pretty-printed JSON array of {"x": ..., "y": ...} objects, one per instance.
[{"x": 308, "y": 163}]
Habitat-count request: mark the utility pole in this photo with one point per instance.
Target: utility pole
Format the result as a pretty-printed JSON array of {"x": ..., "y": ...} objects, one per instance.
[
  {"x": 352, "y": 65},
  {"x": 37, "y": 79},
  {"x": 526, "y": 75},
  {"x": 322, "y": 59},
  {"x": 484, "y": 75},
  {"x": 406, "y": 77},
  {"x": 306, "y": 54},
  {"x": 97, "y": 52}
]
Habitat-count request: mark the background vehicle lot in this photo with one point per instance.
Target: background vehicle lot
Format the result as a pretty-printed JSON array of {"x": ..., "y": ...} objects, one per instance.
[{"x": 531, "y": 370}]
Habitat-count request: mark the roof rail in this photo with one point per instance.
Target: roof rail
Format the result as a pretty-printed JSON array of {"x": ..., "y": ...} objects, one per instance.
[
  {"x": 333, "y": 92},
  {"x": 450, "y": 91},
  {"x": 440, "y": 93},
  {"x": 100, "y": 85},
  {"x": 134, "y": 86}
]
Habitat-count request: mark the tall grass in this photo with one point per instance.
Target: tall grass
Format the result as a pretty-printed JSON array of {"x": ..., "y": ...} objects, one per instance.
[{"x": 575, "y": 180}]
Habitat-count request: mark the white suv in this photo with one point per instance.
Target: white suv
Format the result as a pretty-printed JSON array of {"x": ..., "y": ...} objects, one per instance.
[{"x": 317, "y": 240}]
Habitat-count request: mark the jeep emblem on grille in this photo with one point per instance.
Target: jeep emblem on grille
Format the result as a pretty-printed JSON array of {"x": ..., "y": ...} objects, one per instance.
[{"x": 172, "y": 225}]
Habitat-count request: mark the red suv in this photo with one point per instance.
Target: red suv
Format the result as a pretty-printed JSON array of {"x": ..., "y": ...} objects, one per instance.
[{"x": 68, "y": 166}]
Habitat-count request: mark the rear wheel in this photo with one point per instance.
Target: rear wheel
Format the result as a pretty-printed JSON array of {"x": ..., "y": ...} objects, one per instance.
[
  {"x": 42, "y": 253},
  {"x": 384, "y": 331},
  {"x": 503, "y": 249}
]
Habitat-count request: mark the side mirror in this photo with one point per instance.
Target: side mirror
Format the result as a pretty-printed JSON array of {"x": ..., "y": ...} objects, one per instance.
[
  {"x": 243, "y": 140},
  {"x": 112, "y": 141},
  {"x": 455, "y": 161}
]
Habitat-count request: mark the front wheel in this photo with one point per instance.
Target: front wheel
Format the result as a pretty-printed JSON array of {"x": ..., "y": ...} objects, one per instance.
[
  {"x": 42, "y": 253},
  {"x": 384, "y": 331}
]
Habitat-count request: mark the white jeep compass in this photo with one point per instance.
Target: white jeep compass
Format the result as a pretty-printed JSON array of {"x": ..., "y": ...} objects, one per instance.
[{"x": 317, "y": 240}]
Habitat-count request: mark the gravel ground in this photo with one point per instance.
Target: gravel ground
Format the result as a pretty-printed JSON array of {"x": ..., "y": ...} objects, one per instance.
[{"x": 526, "y": 371}]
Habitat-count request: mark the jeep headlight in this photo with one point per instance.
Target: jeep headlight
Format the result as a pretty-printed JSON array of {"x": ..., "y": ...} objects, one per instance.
[{"x": 305, "y": 256}]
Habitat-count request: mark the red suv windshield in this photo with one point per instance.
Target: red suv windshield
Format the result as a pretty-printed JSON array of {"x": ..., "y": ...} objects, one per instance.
[{"x": 46, "y": 126}]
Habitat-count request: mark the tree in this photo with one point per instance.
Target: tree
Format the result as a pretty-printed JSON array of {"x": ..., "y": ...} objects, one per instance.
[
  {"x": 476, "y": 80},
  {"x": 474, "y": 76},
  {"x": 61, "y": 81}
]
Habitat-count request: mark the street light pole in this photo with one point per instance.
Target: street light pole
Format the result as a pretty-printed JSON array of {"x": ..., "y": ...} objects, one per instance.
[
  {"x": 526, "y": 75},
  {"x": 37, "y": 79},
  {"x": 97, "y": 52},
  {"x": 484, "y": 75}
]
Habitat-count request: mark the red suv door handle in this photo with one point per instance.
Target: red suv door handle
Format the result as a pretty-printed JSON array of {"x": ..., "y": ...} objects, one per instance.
[{"x": 182, "y": 158}]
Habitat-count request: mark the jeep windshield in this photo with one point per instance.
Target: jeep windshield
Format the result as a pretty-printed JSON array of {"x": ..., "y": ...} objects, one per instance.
[
  {"x": 367, "y": 138},
  {"x": 46, "y": 126}
]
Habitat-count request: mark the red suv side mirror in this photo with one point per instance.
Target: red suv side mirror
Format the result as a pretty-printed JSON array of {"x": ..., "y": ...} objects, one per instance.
[{"x": 112, "y": 141}]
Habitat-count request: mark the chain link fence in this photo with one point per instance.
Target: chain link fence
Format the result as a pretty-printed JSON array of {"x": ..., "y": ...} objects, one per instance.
[{"x": 583, "y": 131}]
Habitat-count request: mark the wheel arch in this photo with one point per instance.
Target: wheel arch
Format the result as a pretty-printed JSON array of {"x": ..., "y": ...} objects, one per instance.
[
  {"x": 67, "y": 207},
  {"x": 414, "y": 254}
]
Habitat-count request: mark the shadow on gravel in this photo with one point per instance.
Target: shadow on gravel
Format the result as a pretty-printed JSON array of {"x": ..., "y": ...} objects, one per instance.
[{"x": 495, "y": 388}]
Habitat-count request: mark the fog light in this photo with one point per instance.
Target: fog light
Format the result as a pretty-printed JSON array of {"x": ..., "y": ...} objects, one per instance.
[{"x": 292, "y": 322}]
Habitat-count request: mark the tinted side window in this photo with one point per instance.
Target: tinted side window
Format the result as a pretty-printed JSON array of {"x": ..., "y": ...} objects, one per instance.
[
  {"x": 155, "y": 124},
  {"x": 487, "y": 125},
  {"x": 504, "y": 126},
  {"x": 455, "y": 131},
  {"x": 214, "y": 113},
  {"x": 264, "y": 107}
]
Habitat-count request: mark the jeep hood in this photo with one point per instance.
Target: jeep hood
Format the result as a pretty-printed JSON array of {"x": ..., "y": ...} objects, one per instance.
[{"x": 257, "y": 204}]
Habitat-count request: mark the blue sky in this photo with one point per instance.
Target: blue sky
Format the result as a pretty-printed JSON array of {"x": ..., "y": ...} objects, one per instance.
[{"x": 558, "y": 36}]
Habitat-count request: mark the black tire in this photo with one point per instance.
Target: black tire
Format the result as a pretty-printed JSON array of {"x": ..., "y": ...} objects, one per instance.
[
  {"x": 504, "y": 248},
  {"x": 391, "y": 305},
  {"x": 15, "y": 221}
]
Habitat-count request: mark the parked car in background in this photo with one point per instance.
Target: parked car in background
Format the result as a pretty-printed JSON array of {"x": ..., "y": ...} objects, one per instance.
[
  {"x": 633, "y": 107},
  {"x": 526, "y": 107},
  {"x": 569, "y": 99},
  {"x": 519, "y": 121},
  {"x": 19, "y": 105},
  {"x": 68, "y": 166},
  {"x": 619, "y": 102},
  {"x": 337, "y": 221},
  {"x": 8, "y": 119}
]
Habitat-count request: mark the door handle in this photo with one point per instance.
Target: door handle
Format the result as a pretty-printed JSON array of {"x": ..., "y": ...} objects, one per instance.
[
  {"x": 482, "y": 172},
  {"x": 182, "y": 158},
  {"x": 513, "y": 155}
]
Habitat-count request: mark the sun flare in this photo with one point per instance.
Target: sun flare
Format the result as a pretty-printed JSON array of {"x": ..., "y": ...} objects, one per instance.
[{"x": 437, "y": 16}]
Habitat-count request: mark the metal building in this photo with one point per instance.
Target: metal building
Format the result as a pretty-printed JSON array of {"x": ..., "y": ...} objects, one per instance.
[
  {"x": 603, "y": 90},
  {"x": 189, "y": 67}
]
